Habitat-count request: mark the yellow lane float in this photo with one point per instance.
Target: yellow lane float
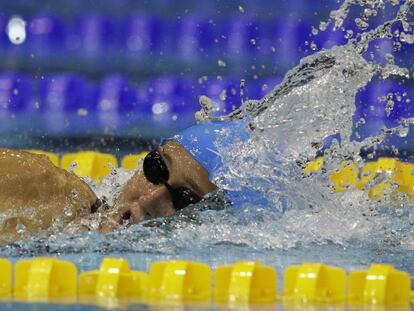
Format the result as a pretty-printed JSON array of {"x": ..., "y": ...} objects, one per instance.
[
  {"x": 245, "y": 282},
  {"x": 95, "y": 165},
  {"x": 113, "y": 280}
]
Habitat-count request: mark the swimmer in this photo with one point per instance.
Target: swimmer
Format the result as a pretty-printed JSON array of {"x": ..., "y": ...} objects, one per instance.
[
  {"x": 37, "y": 197},
  {"x": 178, "y": 172}
]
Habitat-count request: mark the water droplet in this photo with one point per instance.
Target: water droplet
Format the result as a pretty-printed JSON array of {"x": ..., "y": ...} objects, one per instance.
[
  {"x": 361, "y": 24},
  {"x": 68, "y": 211},
  {"x": 361, "y": 121},
  {"x": 389, "y": 107},
  {"x": 389, "y": 58},
  {"x": 264, "y": 87},
  {"x": 221, "y": 63},
  {"x": 20, "y": 228},
  {"x": 408, "y": 38},
  {"x": 349, "y": 34},
  {"x": 368, "y": 13},
  {"x": 223, "y": 95},
  {"x": 253, "y": 41},
  {"x": 323, "y": 26},
  {"x": 82, "y": 112},
  {"x": 403, "y": 132}
]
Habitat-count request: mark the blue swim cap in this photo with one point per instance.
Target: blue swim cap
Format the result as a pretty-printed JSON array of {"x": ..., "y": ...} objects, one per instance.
[{"x": 201, "y": 140}]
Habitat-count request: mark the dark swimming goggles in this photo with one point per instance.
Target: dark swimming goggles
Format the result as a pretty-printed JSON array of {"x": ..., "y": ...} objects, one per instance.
[{"x": 156, "y": 172}]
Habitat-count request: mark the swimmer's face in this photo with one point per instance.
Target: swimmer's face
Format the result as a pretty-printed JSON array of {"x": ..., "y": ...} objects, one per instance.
[{"x": 140, "y": 199}]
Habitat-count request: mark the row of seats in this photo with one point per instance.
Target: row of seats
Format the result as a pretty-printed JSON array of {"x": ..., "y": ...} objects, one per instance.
[
  {"x": 116, "y": 93},
  {"x": 187, "y": 282},
  {"x": 70, "y": 92},
  {"x": 400, "y": 180},
  {"x": 168, "y": 101},
  {"x": 68, "y": 104},
  {"x": 189, "y": 36},
  {"x": 148, "y": 43},
  {"x": 168, "y": 7}
]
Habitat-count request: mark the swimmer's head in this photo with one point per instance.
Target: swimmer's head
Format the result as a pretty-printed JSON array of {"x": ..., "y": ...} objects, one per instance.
[{"x": 170, "y": 180}]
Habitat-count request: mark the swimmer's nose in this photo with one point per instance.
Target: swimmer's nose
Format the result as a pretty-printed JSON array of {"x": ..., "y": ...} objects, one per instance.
[
  {"x": 158, "y": 203},
  {"x": 155, "y": 204},
  {"x": 131, "y": 213}
]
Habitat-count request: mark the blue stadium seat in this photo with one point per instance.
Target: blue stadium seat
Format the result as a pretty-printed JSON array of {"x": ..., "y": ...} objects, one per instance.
[
  {"x": 195, "y": 36},
  {"x": 15, "y": 92},
  {"x": 371, "y": 107},
  {"x": 288, "y": 38},
  {"x": 116, "y": 102},
  {"x": 329, "y": 38},
  {"x": 164, "y": 93},
  {"x": 94, "y": 35},
  {"x": 372, "y": 101},
  {"x": 143, "y": 98},
  {"x": 116, "y": 94},
  {"x": 172, "y": 102},
  {"x": 65, "y": 105},
  {"x": 4, "y": 40},
  {"x": 45, "y": 33},
  {"x": 64, "y": 93},
  {"x": 251, "y": 90},
  {"x": 188, "y": 98},
  {"x": 143, "y": 34},
  {"x": 242, "y": 35}
]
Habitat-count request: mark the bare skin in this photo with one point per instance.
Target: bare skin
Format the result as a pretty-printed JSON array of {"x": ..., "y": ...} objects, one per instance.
[
  {"x": 34, "y": 194},
  {"x": 141, "y": 199}
]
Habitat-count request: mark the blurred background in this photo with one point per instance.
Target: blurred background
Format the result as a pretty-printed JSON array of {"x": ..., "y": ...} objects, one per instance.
[{"x": 117, "y": 75}]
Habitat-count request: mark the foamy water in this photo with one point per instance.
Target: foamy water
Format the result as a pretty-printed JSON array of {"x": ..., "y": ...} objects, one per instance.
[{"x": 305, "y": 220}]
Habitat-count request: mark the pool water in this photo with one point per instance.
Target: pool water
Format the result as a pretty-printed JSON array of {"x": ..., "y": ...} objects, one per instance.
[{"x": 305, "y": 221}]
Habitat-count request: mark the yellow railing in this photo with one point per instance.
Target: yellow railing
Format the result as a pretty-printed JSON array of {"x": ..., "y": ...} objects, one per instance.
[{"x": 180, "y": 282}]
